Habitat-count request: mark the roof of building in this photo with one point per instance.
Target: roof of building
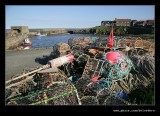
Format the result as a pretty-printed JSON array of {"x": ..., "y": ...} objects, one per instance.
[
  {"x": 106, "y": 21},
  {"x": 122, "y": 19},
  {"x": 149, "y": 22}
]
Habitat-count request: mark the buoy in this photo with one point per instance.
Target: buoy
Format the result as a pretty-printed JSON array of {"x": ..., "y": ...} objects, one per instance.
[
  {"x": 122, "y": 95},
  {"x": 113, "y": 56},
  {"x": 95, "y": 79},
  {"x": 61, "y": 60},
  {"x": 117, "y": 65}
]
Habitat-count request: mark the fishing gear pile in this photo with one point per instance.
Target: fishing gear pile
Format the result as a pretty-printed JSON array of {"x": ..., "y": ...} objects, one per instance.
[{"x": 87, "y": 72}]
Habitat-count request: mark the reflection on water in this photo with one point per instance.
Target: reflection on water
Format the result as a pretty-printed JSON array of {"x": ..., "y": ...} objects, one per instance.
[{"x": 50, "y": 41}]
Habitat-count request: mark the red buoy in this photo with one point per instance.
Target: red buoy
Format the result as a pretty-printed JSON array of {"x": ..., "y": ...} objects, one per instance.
[{"x": 113, "y": 56}]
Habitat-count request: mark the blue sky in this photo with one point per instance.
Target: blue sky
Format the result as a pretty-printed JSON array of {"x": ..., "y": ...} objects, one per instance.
[{"x": 75, "y": 16}]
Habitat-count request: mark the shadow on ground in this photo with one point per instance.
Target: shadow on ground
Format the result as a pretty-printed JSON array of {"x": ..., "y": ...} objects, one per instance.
[{"x": 43, "y": 60}]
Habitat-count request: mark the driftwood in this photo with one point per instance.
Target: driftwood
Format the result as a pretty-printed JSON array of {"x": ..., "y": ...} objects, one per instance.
[
  {"x": 50, "y": 70},
  {"x": 20, "y": 88},
  {"x": 29, "y": 73},
  {"x": 20, "y": 82}
]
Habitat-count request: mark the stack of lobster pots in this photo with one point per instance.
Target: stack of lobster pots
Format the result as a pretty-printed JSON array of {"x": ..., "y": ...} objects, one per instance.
[
  {"x": 60, "y": 49},
  {"x": 83, "y": 41},
  {"x": 46, "y": 87}
]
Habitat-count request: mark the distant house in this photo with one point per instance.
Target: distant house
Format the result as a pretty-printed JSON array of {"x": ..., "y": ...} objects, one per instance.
[
  {"x": 107, "y": 23},
  {"x": 123, "y": 22},
  {"x": 139, "y": 24},
  {"x": 20, "y": 29},
  {"x": 133, "y": 22},
  {"x": 128, "y": 23},
  {"x": 149, "y": 23}
]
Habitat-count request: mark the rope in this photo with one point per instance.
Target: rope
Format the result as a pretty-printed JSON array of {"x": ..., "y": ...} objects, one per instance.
[
  {"x": 54, "y": 97},
  {"x": 112, "y": 72},
  {"x": 116, "y": 71},
  {"x": 33, "y": 94},
  {"x": 119, "y": 98},
  {"x": 93, "y": 39}
]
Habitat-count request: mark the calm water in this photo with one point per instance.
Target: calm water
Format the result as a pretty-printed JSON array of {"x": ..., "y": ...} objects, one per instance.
[{"x": 50, "y": 41}]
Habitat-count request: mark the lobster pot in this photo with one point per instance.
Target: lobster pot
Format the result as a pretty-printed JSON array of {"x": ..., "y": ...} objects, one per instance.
[
  {"x": 93, "y": 39},
  {"x": 149, "y": 46},
  {"x": 89, "y": 100},
  {"x": 42, "y": 79},
  {"x": 121, "y": 43},
  {"x": 73, "y": 41},
  {"x": 60, "y": 49},
  {"x": 85, "y": 87},
  {"x": 138, "y": 43},
  {"x": 113, "y": 100},
  {"x": 102, "y": 95},
  {"x": 60, "y": 94},
  {"x": 141, "y": 76},
  {"x": 144, "y": 73},
  {"x": 117, "y": 65},
  {"x": 20, "y": 88},
  {"x": 93, "y": 68},
  {"x": 108, "y": 71},
  {"x": 130, "y": 42},
  {"x": 61, "y": 60},
  {"x": 83, "y": 41},
  {"x": 45, "y": 80},
  {"x": 87, "y": 40},
  {"x": 101, "y": 42}
]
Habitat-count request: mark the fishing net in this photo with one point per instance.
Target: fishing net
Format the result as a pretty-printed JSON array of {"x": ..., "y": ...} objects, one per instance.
[
  {"x": 59, "y": 94},
  {"x": 45, "y": 80},
  {"x": 144, "y": 69},
  {"x": 142, "y": 75},
  {"x": 107, "y": 72},
  {"x": 102, "y": 95},
  {"x": 113, "y": 100},
  {"x": 41, "y": 89},
  {"x": 115, "y": 71},
  {"x": 93, "y": 39},
  {"x": 20, "y": 88},
  {"x": 83, "y": 88}
]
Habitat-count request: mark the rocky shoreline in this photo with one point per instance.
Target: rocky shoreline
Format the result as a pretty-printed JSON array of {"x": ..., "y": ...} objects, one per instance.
[{"x": 14, "y": 40}]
